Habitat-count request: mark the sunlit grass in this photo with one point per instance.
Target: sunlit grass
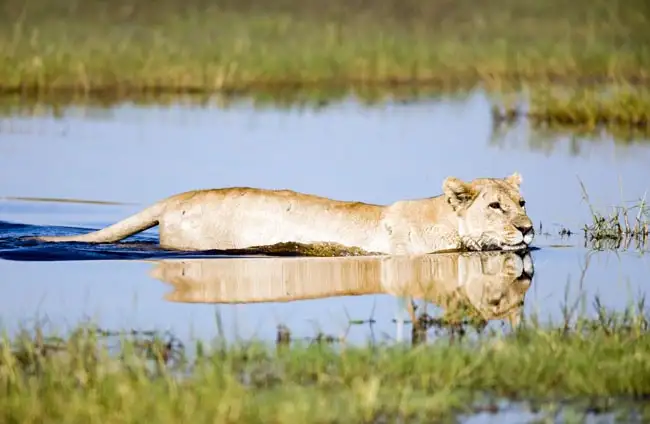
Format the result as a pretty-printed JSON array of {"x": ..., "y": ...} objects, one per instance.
[
  {"x": 615, "y": 107},
  {"x": 587, "y": 361},
  {"x": 196, "y": 45}
]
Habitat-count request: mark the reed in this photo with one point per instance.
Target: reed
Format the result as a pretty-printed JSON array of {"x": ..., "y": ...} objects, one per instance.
[
  {"x": 619, "y": 107},
  {"x": 199, "y": 46},
  {"x": 595, "y": 363},
  {"x": 622, "y": 227}
]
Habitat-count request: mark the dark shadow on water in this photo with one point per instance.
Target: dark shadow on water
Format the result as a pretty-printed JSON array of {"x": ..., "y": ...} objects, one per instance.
[{"x": 15, "y": 244}]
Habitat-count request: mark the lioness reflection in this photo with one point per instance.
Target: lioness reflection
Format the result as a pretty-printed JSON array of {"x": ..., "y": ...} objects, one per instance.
[{"x": 492, "y": 285}]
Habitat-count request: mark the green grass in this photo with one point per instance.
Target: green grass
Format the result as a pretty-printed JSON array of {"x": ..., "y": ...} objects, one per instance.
[
  {"x": 316, "y": 98},
  {"x": 326, "y": 49},
  {"x": 197, "y": 45},
  {"x": 587, "y": 363},
  {"x": 621, "y": 227},
  {"x": 588, "y": 110}
]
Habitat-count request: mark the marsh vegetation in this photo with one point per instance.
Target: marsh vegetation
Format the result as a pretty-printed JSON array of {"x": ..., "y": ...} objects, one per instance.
[
  {"x": 197, "y": 45},
  {"x": 585, "y": 110},
  {"x": 596, "y": 363},
  {"x": 622, "y": 226}
]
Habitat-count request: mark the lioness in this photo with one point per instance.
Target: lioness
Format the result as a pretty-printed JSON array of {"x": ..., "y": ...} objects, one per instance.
[
  {"x": 484, "y": 214},
  {"x": 491, "y": 284}
]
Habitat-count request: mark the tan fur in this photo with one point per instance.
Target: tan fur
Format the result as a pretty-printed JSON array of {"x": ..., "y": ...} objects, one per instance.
[
  {"x": 234, "y": 218},
  {"x": 493, "y": 284}
]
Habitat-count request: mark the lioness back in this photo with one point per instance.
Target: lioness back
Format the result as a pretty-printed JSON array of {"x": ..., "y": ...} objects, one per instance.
[{"x": 242, "y": 216}]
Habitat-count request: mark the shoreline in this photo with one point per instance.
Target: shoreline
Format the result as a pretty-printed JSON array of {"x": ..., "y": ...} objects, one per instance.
[{"x": 449, "y": 83}]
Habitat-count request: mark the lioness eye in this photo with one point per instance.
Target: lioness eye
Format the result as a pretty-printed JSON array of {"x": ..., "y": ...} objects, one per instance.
[
  {"x": 522, "y": 203},
  {"x": 495, "y": 205}
]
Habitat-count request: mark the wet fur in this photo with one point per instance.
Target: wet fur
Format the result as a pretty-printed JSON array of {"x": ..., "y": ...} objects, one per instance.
[{"x": 234, "y": 218}]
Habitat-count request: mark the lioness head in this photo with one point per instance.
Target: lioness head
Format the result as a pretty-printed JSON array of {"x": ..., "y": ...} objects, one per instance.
[{"x": 491, "y": 213}]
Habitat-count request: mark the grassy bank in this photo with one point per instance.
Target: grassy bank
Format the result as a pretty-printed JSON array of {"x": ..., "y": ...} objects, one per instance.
[
  {"x": 314, "y": 98},
  {"x": 597, "y": 365},
  {"x": 196, "y": 45},
  {"x": 614, "y": 107}
]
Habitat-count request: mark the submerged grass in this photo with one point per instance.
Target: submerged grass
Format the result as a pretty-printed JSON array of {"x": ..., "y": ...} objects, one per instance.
[
  {"x": 622, "y": 227},
  {"x": 198, "y": 45},
  {"x": 599, "y": 363}
]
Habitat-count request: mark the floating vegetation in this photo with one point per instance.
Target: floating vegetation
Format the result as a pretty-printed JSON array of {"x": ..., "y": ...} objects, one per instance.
[{"x": 623, "y": 227}]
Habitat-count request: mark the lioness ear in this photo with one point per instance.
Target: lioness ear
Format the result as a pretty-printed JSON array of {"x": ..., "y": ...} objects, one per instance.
[
  {"x": 514, "y": 179},
  {"x": 457, "y": 192}
]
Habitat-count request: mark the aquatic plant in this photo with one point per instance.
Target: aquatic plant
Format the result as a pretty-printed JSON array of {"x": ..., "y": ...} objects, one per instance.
[
  {"x": 622, "y": 227},
  {"x": 596, "y": 363}
]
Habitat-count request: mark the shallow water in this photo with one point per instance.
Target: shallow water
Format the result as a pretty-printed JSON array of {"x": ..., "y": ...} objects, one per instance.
[{"x": 139, "y": 154}]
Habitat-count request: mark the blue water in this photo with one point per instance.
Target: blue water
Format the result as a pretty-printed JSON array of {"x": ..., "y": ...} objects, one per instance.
[{"x": 139, "y": 154}]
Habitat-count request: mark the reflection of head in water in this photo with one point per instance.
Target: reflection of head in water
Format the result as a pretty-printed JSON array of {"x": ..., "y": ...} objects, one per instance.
[
  {"x": 492, "y": 283},
  {"x": 511, "y": 274}
]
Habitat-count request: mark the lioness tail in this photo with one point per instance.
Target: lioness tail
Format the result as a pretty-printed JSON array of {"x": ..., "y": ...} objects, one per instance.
[{"x": 136, "y": 223}]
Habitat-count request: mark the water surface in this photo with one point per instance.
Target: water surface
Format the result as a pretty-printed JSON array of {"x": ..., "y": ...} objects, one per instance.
[{"x": 135, "y": 155}]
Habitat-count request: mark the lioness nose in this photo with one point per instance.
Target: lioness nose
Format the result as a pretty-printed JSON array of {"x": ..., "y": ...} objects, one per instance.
[{"x": 525, "y": 228}]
